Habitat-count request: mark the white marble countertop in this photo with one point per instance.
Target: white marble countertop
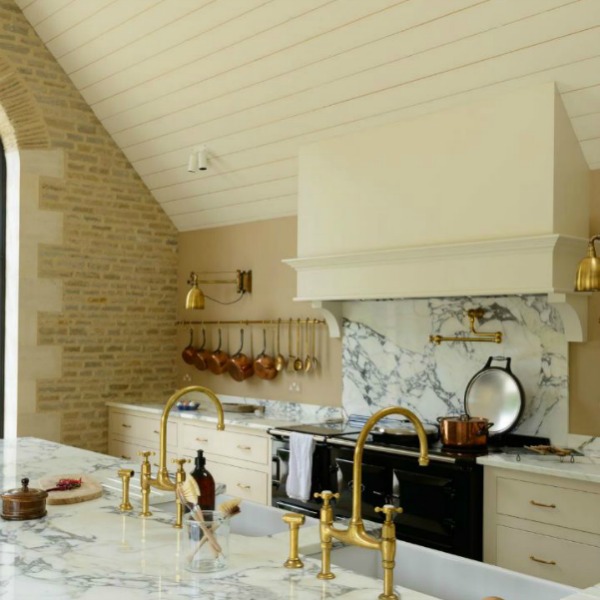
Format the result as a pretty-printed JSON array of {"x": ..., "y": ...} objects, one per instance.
[
  {"x": 585, "y": 468},
  {"x": 209, "y": 415},
  {"x": 91, "y": 551}
]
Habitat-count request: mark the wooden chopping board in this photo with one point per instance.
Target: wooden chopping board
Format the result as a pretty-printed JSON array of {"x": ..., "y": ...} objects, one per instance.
[{"x": 89, "y": 489}]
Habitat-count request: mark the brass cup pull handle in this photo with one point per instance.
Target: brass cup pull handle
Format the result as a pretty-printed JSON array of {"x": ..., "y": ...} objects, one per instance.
[
  {"x": 540, "y": 560},
  {"x": 156, "y": 431},
  {"x": 534, "y": 503},
  {"x": 202, "y": 440},
  {"x": 244, "y": 486},
  {"x": 125, "y": 457},
  {"x": 242, "y": 447},
  {"x": 125, "y": 425}
]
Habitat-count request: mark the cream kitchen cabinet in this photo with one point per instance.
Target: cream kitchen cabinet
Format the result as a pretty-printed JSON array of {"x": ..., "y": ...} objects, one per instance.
[
  {"x": 239, "y": 457},
  {"x": 130, "y": 432},
  {"x": 542, "y": 525}
]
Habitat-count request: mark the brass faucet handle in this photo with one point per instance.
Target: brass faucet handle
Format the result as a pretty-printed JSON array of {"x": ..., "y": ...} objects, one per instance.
[
  {"x": 180, "y": 462},
  {"x": 326, "y": 496},
  {"x": 389, "y": 510},
  {"x": 146, "y": 454}
]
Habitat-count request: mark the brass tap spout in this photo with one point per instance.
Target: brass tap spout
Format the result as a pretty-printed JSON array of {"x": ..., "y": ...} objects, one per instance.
[
  {"x": 162, "y": 481},
  {"x": 355, "y": 534}
]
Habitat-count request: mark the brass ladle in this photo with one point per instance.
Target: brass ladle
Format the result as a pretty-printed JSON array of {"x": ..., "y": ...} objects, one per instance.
[
  {"x": 298, "y": 364},
  {"x": 291, "y": 357},
  {"x": 280, "y": 361},
  {"x": 308, "y": 360},
  {"x": 311, "y": 360}
]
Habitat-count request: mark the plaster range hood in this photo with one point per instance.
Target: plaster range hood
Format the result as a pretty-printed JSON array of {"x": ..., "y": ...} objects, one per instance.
[{"x": 478, "y": 200}]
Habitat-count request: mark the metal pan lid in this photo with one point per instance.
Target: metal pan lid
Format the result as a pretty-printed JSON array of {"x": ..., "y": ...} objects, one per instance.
[{"x": 496, "y": 394}]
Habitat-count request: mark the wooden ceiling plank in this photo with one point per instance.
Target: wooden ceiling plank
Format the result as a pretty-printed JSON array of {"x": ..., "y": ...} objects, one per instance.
[
  {"x": 176, "y": 183},
  {"x": 368, "y": 83},
  {"x": 181, "y": 57},
  {"x": 145, "y": 22},
  {"x": 591, "y": 150},
  {"x": 207, "y": 16},
  {"x": 582, "y": 101},
  {"x": 105, "y": 20},
  {"x": 271, "y": 208},
  {"x": 36, "y": 12},
  {"x": 587, "y": 127},
  {"x": 267, "y": 189},
  {"x": 67, "y": 17},
  {"x": 283, "y": 68}
]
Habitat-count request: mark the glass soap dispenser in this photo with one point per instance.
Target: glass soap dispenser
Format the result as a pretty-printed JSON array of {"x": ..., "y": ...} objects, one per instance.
[{"x": 205, "y": 482}]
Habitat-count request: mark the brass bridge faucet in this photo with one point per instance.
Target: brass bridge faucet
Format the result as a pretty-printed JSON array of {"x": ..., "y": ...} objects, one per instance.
[
  {"x": 356, "y": 534},
  {"x": 162, "y": 481}
]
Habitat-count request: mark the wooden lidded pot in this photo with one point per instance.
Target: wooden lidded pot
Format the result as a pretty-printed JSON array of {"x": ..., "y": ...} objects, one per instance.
[{"x": 21, "y": 504}]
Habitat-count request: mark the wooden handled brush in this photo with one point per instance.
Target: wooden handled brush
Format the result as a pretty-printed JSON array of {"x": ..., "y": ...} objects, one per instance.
[
  {"x": 188, "y": 493},
  {"x": 230, "y": 508}
]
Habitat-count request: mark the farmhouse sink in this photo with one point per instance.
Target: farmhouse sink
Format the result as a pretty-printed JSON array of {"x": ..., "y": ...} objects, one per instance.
[{"x": 450, "y": 577}]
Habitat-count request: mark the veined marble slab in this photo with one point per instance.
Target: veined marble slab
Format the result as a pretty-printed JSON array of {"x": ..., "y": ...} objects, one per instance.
[
  {"x": 388, "y": 358},
  {"x": 91, "y": 551}
]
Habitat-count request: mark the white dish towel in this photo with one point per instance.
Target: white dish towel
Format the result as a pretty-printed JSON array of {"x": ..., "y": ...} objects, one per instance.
[{"x": 299, "y": 478}]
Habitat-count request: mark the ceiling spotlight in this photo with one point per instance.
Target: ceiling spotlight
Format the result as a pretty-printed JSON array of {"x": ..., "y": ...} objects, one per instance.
[{"x": 198, "y": 159}]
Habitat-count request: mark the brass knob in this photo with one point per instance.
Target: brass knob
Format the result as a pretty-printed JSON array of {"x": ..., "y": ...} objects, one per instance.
[
  {"x": 295, "y": 521},
  {"x": 326, "y": 496}
]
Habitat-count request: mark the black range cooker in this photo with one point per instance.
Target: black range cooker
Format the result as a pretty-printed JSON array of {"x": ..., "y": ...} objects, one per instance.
[{"x": 442, "y": 503}]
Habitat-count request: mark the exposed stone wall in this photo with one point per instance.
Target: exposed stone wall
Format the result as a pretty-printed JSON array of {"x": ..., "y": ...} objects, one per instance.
[{"x": 117, "y": 263}]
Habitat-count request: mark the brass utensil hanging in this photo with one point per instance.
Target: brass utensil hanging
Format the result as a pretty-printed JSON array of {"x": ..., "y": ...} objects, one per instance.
[
  {"x": 311, "y": 361},
  {"x": 280, "y": 361},
  {"x": 291, "y": 357},
  {"x": 308, "y": 360},
  {"x": 298, "y": 364}
]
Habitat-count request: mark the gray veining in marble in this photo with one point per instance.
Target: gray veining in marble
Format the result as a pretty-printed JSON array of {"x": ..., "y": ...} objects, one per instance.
[{"x": 387, "y": 357}]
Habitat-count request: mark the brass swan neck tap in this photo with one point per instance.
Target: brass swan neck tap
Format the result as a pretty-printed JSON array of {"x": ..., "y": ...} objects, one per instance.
[
  {"x": 356, "y": 534},
  {"x": 162, "y": 481}
]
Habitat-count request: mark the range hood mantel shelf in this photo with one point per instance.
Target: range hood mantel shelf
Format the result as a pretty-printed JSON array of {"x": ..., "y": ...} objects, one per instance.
[{"x": 543, "y": 264}]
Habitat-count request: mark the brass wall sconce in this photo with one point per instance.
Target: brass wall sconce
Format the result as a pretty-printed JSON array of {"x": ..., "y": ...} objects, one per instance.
[
  {"x": 195, "y": 297},
  {"x": 587, "y": 278}
]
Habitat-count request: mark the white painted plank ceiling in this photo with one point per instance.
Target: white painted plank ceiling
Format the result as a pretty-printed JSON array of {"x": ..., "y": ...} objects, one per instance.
[{"x": 254, "y": 80}]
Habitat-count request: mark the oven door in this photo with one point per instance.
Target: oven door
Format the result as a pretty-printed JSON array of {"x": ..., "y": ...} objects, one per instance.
[{"x": 321, "y": 478}]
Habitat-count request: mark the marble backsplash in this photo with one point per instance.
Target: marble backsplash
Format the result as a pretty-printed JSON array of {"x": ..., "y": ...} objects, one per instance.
[{"x": 387, "y": 357}]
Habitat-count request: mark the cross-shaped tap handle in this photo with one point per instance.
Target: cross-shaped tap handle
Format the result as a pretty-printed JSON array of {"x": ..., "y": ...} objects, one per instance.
[
  {"x": 389, "y": 511},
  {"x": 326, "y": 496},
  {"x": 146, "y": 454}
]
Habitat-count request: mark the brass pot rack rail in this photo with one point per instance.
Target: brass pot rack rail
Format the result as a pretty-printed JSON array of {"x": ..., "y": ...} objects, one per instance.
[
  {"x": 254, "y": 322},
  {"x": 478, "y": 336}
]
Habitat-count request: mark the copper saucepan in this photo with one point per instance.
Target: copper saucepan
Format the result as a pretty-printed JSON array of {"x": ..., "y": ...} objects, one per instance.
[
  {"x": 189, "y": 352},
  {"x": 265, "y": 366},
  {"x": 464, "y": 431},
  {"x": 241, "y": 365},
  {"x": 202, "y": 354},
  {"x": 218, "y": 361}
]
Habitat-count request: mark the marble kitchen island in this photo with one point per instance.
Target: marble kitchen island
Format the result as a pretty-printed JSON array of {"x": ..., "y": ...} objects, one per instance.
[{"x": 92, "y": 551}]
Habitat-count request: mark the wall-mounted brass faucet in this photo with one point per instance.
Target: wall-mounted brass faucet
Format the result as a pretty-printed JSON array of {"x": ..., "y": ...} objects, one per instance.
[
  {"x": 356, "y": 534},
  {"x": 162, "y": 480}
]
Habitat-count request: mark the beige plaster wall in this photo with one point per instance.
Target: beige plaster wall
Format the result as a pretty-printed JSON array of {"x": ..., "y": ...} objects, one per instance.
[
  {"x": 108, "y": 255},
  {"x": 260, "y": 247},
  {"x": 584, "y": 361}
]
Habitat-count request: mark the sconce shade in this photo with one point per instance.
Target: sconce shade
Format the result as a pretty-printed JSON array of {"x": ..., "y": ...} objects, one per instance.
[
  {"x": 195, "y": 298},
  {"x": 587, "y": 278}
]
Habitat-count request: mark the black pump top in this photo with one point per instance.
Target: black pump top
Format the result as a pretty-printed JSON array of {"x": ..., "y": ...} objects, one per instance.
[{"x": 200, "y": 460}]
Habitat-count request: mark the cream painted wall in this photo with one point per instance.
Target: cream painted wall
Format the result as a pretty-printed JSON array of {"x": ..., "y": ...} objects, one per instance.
[
  {"x": 584, "y": 361},
  {"x": 259, "y": 246}
]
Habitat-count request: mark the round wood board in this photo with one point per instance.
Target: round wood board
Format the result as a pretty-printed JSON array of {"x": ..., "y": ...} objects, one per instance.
[{"x": 89, "y": 489}]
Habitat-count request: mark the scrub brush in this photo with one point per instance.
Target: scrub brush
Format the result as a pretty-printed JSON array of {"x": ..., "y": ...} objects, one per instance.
[
  {"x": 188, "y": 493},
  {"x": 229, "y": 508}
]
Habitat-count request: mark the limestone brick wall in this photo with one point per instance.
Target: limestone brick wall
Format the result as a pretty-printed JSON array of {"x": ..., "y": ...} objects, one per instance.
[{"x": 114, "y": 259}]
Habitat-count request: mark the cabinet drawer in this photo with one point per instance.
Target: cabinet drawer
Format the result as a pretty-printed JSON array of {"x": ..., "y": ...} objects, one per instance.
[
  {"x": 549, "y": 504},
  {"x": 128, "y": 450},
  {"x": 245, "y": 483},
  {"x": 140, "y": 427},
  {"x": 566, "y": 562},
  {"x": 230, "y": 444}
]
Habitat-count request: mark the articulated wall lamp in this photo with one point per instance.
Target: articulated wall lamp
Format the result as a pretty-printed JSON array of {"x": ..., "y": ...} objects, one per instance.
[
  {"x": 588, "y": 271},
  {"x": 195, "y": 297},
  {"x": 198, "y": 160}
]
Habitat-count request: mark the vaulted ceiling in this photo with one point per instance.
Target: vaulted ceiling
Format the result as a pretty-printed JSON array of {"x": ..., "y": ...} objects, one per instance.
[{"x": 254, "y": 80}]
